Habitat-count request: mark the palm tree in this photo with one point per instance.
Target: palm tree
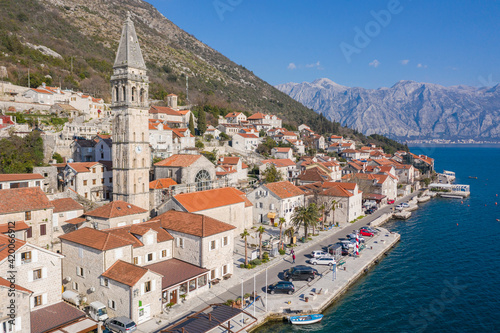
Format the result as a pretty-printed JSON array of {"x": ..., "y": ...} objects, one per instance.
[
  {"x": 244, "y": 235},
  {"x": 322, "y": 208},
  {"x": 260, "y": 230},
  {"x": 281, "y": 222},
  {"x": 306, "y": 217},
  {"x": 332, "y": 208}
]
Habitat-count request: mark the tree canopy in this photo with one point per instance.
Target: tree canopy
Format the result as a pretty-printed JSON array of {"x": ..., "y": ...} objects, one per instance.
[{"x": 20, "y": 155}]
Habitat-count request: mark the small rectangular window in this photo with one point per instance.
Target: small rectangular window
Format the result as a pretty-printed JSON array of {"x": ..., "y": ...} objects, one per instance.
[
  {"x": 136, "y": 260},
  {"x": 37, "y": 274},
  {"x": 27, "y": 216},
  {"x": 147, "y": 286},
  {"x": 38, "y": 300},
  {"x": 150, "y": 257},
  {"x": 29, "y": 232},
  {"x": 225, "y": 241},
  {"x": 213, "y": 245},
  {"x": 84, "y": 183},
  {"x": 43, "y": 229},
  {"x": 93, "y": 181},
  {"x": 26, "y": 257}
]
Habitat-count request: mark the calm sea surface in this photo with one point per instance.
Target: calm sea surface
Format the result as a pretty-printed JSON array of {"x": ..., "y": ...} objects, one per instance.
[{"x": 444, "y": 276}]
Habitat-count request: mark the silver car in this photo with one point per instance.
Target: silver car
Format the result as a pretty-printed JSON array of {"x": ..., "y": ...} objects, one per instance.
[
  {"x": 323, "y": 261},
  {"x": 120, "y": 324}
]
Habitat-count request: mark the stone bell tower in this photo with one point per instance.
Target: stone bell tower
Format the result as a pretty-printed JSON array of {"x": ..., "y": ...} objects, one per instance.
[{"x": 131, "y": 153}]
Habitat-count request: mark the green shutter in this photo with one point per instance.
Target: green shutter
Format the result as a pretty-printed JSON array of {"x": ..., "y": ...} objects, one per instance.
[{"x": 140, "y": 303}]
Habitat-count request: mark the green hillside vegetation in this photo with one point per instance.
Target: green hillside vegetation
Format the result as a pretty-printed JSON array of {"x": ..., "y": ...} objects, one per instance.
[
  {"x": 86, "y": 35},
  {"x": 20, "y": 155}
]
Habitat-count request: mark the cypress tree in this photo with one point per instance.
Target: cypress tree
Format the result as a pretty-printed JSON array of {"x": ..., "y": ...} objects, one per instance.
[
  {"x": 202, "y": 121},
  {"x": 191, "y": 124}
]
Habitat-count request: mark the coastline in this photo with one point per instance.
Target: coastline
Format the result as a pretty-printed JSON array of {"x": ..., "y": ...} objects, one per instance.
[{"x": 357, "y": 268}]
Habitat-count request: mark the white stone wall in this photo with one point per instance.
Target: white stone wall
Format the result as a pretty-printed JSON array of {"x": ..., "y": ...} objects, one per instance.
[
  {"x": 190, "y": 251},
  {"x": 151, "y": 299},
  {"x": 22, "y": 309},
  {"x": 48, "y": 286},
  {"x": 231, "y": 214},
  {"x": 221, "y": 256},
  {"x": 38, "y": 217}
]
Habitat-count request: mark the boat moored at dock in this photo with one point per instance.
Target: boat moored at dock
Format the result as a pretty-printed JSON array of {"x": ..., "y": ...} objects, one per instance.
[{"x": 305, "y": 319}]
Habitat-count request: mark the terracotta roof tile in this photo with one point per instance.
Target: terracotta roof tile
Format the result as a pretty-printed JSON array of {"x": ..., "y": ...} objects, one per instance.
[
  {"x": 19, "y": 176},
  {"x": 314, "y": 174},
  {"x": 202, "y": 200},
  {"x": 192, "y": 224},
  {"x": 124, "y": 272},
  {"x": 65, "y": 205},
  {"x": 161, "y": 183},
  {"x": 179, "y": 160},
  {"x": 247, "y": 135},
  {"x": 257, "y": 115},
  {"x": 4, "y": 246},
  {"x": 164, "y": 109},
  {"x": 284, "y": 189},
  {"x": 96, "y": 239},
  {"x": 76, "y": 220},
  {"x": 229, "y": 160},
  {"x": 279, "y": 162},
  {"x": 175, "y": 271},
  {"x": 19, "y": 225},
  {"x": 127, "y": 232},
  {"x": 5, "y": 283},
  {"x": 116, "y": 208},
  {"x": 82, "y": 166},
  {"x": 336, "y": 191},
  {"x": 23, "y": 199}
]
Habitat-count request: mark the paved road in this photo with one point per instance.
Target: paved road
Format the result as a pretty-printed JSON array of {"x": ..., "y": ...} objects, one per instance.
[{"x": 302, "y": 255}]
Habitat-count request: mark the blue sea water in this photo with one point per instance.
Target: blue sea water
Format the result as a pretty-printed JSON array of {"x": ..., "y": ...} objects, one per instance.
[{"x": 444, "y": 276}]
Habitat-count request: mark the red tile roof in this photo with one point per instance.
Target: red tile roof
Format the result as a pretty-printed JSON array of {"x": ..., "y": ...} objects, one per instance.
[
  {"x": 337, "y": 191},
  {"x": 19, "y": 176},
  {"x": 76, "y": 220},
  {"x": 282, "y": 149},
  {"x": 116, "y": 208},
  {"x": 233, "y": 115},
  {"x": 65, "y": 205},
  {"x": 279, "y": 162},
  {"x": 19, "y": 225},
  {"x": 247, "y": 135},
  {"x": 257, "y": 115},
  {"x": 96, "y": 239},
  {"x": 179, "y": 160},
  {"x": 6, "y": 283},
  {"x": 23, "y": 199},
  {"x": 124, "y": 272},
  {"x": 192, "y": 224},
  {"x": 164, "y": 109},
  {"x": 229, "y": 160},
  {"x": 5, "y": 250},
  {"x": 82, "y": 166},
  {"x": 314, "y": 174},
  {"x": 128, "y": 232},
  {"x": 203, "y": 200},
  {"x": 42, "y": 91},
  {"x": 175, "y": 271},
  {"x": 284, "y": 189},
  {"x": 161, "y": 183}
]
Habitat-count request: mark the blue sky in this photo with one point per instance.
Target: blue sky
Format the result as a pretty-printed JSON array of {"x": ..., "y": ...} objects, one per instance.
[{"x": 360, "y": 43}]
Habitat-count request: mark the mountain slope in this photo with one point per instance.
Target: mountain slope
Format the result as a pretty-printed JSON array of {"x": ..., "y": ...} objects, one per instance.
[
  {"x": 80, "y": 38},
  {"x": 407, "y": 110}
]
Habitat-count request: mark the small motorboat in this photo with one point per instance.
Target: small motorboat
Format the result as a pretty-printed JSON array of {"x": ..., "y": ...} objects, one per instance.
[
  {"x": 305, "y": 319},
  {"x": 473, "y": 177}
]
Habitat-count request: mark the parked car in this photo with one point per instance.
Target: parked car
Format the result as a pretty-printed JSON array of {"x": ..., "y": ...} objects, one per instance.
[
  {"x": 120, "y": 324},
  {"x": 284, "y": 287},
  {"x": 366, "y": 232},
  {"x": 361, "y": 240},
  {"x": 345, "y": 250},
  {"x": 370, "y": 229},
  {"x": 405, "y": 205},
  {"x": 300, "y": 273},
  {"x": 323, "y": 261},
  {"x": 347, "y": 243},
  {"x": 390, "y": 202},
  {"x": 317, "y": 254},
  {"x": 399, "y": 207},
  {"x": 369, "y": 211},
  {"x": 353, "y": 236}
]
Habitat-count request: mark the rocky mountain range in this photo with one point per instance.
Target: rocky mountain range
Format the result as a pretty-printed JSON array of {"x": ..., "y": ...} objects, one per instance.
[{"x": 406, "y": 111}]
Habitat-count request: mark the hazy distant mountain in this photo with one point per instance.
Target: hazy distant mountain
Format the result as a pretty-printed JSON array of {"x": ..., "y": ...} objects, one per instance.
[{"x": 407, "y": 110}]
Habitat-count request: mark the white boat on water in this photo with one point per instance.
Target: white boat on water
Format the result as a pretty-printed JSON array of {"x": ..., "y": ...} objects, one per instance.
[{"x": 305, "y": 319}]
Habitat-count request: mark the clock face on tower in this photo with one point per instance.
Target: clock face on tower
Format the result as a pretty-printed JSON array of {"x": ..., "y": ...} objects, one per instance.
[{"x": 138, "y": 149}]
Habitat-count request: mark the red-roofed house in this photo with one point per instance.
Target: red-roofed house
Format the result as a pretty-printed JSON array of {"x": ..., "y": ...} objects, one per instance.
[
  {"x": 282, "y": 152},
  {"x": 260, "y": 118},
  {"x": 17, "y": 180},
  {"x": 383, "y": 184},
  {"x": 235, "y": 118},
  {"x": 348, "y": 198},
  {"x": 232, "y": 169},
  {"x": 274, "y": 200},
  {"x": 64, "y": 209},
  {"x": 31, "y": 205},
  {"x": 117, "y": 213},
  {"x": 286, "y": 167},
  {"x": 35, "y": 271},
  {"x": 227, "y": 204},
  {"x": 165, "y": 113},
  {"x": 159, "y": 191},
  {"x": 91, "y": 180},
  {"x": 186, "y": 169},
  {"x": 245, "y": 141}
]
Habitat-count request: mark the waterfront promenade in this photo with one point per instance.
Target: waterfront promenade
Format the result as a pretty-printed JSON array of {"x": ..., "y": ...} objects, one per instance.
[{"x": 231, "y": 289}]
